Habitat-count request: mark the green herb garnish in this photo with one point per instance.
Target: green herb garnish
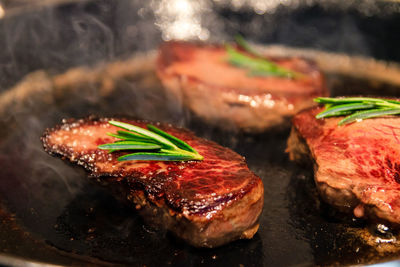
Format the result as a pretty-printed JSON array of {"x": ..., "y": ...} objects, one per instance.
[
  {"x": 357, "y": 108},
  {"x": 241, "y": 42},
  {"x": 254, "y": 62},
  {"x": 150, "y": 144}
]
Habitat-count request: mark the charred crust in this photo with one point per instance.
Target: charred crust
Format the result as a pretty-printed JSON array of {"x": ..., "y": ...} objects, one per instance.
[
  {"x": 298, "y": 149},
  {"x": 159, "y": 191}
]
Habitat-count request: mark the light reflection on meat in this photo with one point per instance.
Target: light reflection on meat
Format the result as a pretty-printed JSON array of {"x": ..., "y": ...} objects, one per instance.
[
  {"x": 207, "y": 203},
  {"x": 357, "y": 166},
  {"x": 199, "y": 77}
]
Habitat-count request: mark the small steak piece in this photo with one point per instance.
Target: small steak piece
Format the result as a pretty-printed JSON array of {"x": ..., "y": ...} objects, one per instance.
[
  {"x": 207, "y": 203},
  {"x": 200, "y": 77},
  {"x": 356, "y": 166}
]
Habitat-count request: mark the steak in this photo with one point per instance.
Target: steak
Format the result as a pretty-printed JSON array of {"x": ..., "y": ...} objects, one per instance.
[
  {"x": 356, "y": 166},
  {"x": 199, "y": 76},
  {"x": 207, "y": 203}
]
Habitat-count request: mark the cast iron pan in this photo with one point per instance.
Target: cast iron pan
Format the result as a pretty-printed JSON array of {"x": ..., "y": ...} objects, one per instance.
[{"x": 97, "y": 57}]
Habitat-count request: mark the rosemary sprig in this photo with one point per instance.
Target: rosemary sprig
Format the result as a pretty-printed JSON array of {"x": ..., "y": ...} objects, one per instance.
[
  {"x": 255, "y": 63},
  {"x": 150, "y": 144},
  {"x": 241, "y": 42},
  {"x": 357, "y": 108}
]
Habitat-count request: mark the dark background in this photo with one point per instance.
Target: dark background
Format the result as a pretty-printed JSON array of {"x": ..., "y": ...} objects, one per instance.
[{"x": 57, "y": 37}]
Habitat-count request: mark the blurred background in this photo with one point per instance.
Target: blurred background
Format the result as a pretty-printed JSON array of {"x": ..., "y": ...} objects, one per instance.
[{"x": 58, "y": 34}]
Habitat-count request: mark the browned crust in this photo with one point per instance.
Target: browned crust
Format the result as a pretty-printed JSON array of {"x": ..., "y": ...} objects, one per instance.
[
  {"x": 297, "y": 148},
  {"x": 90, "y": 120},
  {"x": 202, "y": 227},
  {"x": 343, "y": 199},
  {"x": 232, "y": 108},
  {"x": 206, "y": 233},
  {"x": 299, "y": 151}
]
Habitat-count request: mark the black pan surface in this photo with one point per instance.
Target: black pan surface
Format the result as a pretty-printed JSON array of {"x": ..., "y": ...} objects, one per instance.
[{"x": 51, "y": 212}]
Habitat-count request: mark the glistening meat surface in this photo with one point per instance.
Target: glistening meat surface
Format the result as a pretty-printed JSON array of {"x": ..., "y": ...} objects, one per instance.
[
  {"x": 357, "y": 166},
  {"x": 207, "y": 203},
  {"x": 199, "y": 76}
]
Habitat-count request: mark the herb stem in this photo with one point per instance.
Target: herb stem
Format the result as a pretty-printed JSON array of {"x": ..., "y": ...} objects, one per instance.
[
  {"x": 149, "y": 144},
  {"x": 255, "y": 63},
  {"x": 357, "y": 108}
]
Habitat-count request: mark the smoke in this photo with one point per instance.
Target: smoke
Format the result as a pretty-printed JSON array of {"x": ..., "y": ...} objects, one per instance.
[
  {"x": 71, "y": 43},
  {"x": 58, "y": 37},
  {"x": 65, "y": 34},
  {"x": 97, "y": 57}
]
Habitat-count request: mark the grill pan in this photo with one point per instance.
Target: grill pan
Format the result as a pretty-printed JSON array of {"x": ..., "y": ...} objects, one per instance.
[{"x": 75, "y": 59}]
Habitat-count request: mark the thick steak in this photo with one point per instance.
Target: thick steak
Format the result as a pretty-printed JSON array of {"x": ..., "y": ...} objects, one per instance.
[
  {"x": 356, "y": 166},
  {"x": 207, "y": 203},
  {"x": 199, "y": 76}
]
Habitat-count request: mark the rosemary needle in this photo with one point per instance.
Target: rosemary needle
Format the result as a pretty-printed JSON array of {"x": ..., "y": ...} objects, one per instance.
[
  {"x": 254, "y": 62},
  {"x": 149, "y": 144},
  {"x": 357, "y": 108}
]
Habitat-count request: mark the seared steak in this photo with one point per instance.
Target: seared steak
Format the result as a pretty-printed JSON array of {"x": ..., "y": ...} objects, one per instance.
[
  {"x": 356, "y": 166},
  {"x": 199, "y": 76},
  {"x": 207, "y": 203}
]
